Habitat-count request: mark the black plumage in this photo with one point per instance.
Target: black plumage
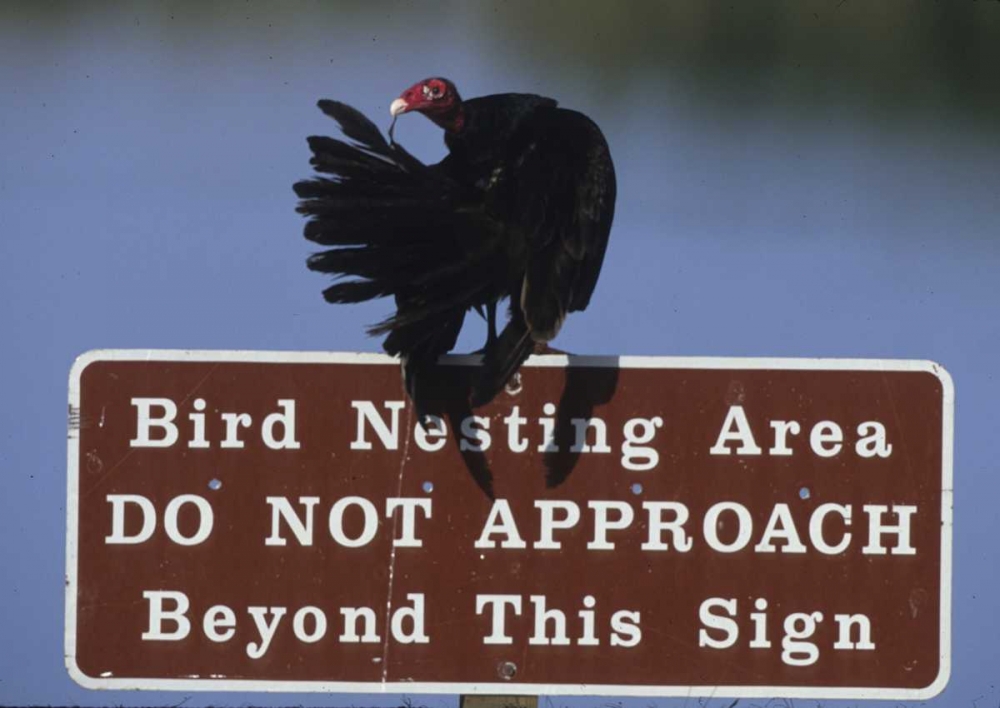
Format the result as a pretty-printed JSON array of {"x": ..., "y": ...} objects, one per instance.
[{"x": 521, "y": 207}]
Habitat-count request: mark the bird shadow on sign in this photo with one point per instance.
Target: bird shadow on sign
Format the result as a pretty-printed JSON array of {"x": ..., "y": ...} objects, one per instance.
[
  {"x": 585, "y": 388},
  {"x": 445, "y": 395}
]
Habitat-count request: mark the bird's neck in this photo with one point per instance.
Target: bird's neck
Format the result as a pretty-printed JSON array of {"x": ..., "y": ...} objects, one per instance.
[{"x": 451, "y": 122}]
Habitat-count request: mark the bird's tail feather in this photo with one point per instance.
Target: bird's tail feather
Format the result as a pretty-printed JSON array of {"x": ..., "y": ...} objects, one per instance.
[{"x": 420, "y": 345}]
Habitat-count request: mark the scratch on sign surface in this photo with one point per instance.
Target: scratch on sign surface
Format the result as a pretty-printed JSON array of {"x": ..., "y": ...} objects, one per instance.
[{"x": 387, "y": 628}]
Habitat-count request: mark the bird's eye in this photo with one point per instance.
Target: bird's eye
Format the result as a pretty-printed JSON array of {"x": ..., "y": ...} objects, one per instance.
[{"x": 432, "y": 91}]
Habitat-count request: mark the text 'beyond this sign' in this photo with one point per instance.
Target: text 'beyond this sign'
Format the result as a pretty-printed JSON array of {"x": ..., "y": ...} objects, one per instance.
[{"x": 642, "y": 526}]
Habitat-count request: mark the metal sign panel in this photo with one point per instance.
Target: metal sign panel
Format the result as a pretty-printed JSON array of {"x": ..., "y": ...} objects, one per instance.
[{"x": 632, "y": 526}]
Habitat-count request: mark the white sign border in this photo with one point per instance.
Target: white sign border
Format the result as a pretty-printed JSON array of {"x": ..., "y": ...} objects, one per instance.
[{"x": 200, "y": 683}]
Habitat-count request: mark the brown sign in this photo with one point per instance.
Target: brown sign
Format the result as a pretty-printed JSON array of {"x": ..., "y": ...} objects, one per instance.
[{"x": 642, "y": 526}]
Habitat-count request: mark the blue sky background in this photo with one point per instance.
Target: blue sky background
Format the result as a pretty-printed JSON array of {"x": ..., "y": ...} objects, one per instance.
[{"x": 799, "y": 179}]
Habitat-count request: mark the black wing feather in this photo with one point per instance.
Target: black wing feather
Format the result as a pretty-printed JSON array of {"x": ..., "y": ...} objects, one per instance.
[
  {"x": 557, "y": 189},
  {"x": 354, "y": 124}
]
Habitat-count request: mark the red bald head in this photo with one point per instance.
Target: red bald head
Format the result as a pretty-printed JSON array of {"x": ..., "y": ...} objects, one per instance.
[{"x": 436, "y": 98}]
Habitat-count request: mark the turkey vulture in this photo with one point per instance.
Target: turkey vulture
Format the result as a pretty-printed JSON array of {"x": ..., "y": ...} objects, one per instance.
[{"x": 520, "y": 208}]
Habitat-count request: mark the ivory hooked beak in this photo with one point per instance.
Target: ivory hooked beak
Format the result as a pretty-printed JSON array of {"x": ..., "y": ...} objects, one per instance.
[{"x": 398, "y": 106}]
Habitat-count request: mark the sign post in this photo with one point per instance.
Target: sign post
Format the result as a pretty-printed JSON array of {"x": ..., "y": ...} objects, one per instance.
[{"x": 635, "y": 527}]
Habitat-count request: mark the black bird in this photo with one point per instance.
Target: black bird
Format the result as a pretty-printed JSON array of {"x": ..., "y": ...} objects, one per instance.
[{"x": 520, "y": 208}]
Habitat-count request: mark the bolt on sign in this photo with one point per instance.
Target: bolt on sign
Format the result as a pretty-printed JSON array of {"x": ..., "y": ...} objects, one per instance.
[{"x": 633, "y": 526}]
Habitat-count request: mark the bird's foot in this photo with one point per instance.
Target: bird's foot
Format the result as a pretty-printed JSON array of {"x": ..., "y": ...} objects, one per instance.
[
  {"x": 514, "y": 385},
  {"x": 544, "y": 348}
]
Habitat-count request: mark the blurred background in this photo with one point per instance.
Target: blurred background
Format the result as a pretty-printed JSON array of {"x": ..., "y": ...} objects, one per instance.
[{"x": 807, "y": 178}]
